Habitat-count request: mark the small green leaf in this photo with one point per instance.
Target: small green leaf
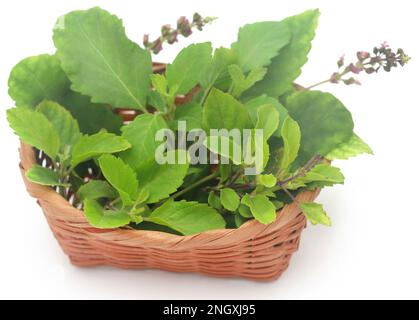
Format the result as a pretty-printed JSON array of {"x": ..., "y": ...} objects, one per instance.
[
  {"x": 324, "y": 121},
  {"x": 229, "y": 199},
  {"x": 223, "y": 111},
  {"x": 214, "y": 200},
  {"x": 34, "y": 129},
  {"x": 37, "y": 78},
  {"x": 187, "y": 68},
  {"x": 259, "y": 42},
  {"x": 160, "y": 180},
  {"x": 253, "y": 106},
  {"x": 44, "y": 176},
  {"x": 120, "y": 176},
  {"x": 315, "y": 213},
  {"x": 261, "y": 207},
  {"x": 191, "y": 113},
  {"x": 101, "y": 61},
  {"x": 187, "y": 217},
  {"x": 96, "y": 189},
  {"x": 66, "y": 126},
  {"x": 159, "y": 83},
  {"x": 241, "y": 83},
  {"x": 239, "y": 220},
  {"x": 351, "y": 148},
  {"x": 95, "y": 145},
  {"x": 141, "y": 135},
  {"x": 286, "y": 66},
  {"x": 268, "y": 120},
  {"x": 291, "y": 136},
  {"x": 267, "y": 180},
  {"x": 100, "y": 218},
  {"x": 216, "y": 73},
  {"x": 245, "y": 211}
]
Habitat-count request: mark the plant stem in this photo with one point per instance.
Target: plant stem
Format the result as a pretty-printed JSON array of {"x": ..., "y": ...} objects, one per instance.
[
  {"x": 318, "y": 84},
  {"x": 194, "y": 185}
]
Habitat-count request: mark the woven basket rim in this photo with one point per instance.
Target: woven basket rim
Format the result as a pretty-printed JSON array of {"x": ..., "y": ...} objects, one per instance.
[{"x": 67, "y": 212}]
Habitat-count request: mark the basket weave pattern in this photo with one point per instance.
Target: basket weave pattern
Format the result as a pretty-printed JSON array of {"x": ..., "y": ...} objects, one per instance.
[{"x": 253, "y": 251}]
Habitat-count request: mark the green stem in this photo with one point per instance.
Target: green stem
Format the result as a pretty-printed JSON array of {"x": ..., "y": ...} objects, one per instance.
[{"x": 194, "y": 185}]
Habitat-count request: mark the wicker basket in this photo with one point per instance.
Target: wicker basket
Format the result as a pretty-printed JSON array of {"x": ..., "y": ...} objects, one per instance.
[{"x": 253, "y": 251}]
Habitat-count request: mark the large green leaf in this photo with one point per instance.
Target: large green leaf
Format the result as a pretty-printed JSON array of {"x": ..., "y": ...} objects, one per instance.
[
  {"x": 96, "y": 189},
  {"x": 315, "y": 213},
  {"x": 187, "y": 68},
  {"x": 44, "y": 176},
  {"x": 141, "y": 135},
  {"x": 324, "y": 121},
  {"x": 120, "y": 176},
  {"x": 37, "y": 78},
  {"x": 62, "y": 120},
  {"x": 259, "y": 42},
  {"x": 222, "y": 111},
  {"x": 261, "y": 207},
  {"x": 101, "y": 61},
  {"x": 95, "y": 145},
  {"x": 291, "y": 136},
  {"x": 160, "y": 180},
  {"x": 320, "y": 176},
  {"x": 351, "y": 148},
  {"x": 92, "y": 117},
  {"x": 187, "y": 217},
  {"x": 104, "y": 219},
  {"x": 34, "y": 129},
  {"x": 286, "y": 66}
]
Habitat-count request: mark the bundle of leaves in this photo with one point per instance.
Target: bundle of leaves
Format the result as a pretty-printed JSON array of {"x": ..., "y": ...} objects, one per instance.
[{"x": 65, "y": 103}]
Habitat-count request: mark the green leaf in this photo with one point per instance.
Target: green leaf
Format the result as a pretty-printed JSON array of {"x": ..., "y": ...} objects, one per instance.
[
  {"x": 259, "y": 42},
  {"x": 267, "y": 180},
  {"x": 214, "y": 200},
  {"x": 241, "y": 82},
  {"x": 160, "y": 180},
  {"x": 121, "y": 177},
  {"x": 226, "y": 147},
  {"x": 96, "y": 189},
  {"x": 159, "y": 83},
  {"x": 229, "y": 199},
  {"x": 261, "y": 207},
  {"x": 92, "y": 117},
  {"x": 34, "y": 129},
  {"x": 191, "y": 113},
  {"x": 222, "y": 111},
  {"x": 93, "y": 146},
  {"x": 141, "y": 135},
  {"x": 291, "y": 136},
  {"x": 268, "y": 120},
  {"x": 286, "y": 66},
  {"x": 315, "y": 213},
  {"x": 187, "y": 217},
  {"x": 44, "y": 176},
  {"x": 187, "y": 68},
  {"x": 245, "y": 212},
  {"x": 351, "y": 148},
  {"x": 324, "y": 121},
  {"x": 101, "y": 61},
  {"x": 37, "y": 78},
  {"x": 217, "y": 71},
  {"x": 104, "y": 219},
  {"x": 63, "y": 122},
  {"x": 253, "y": 106},
  {"x": 321, "y": 175}
]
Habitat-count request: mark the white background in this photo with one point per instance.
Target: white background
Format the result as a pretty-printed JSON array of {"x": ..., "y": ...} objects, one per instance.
[{"x": 372, "y": 249}]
